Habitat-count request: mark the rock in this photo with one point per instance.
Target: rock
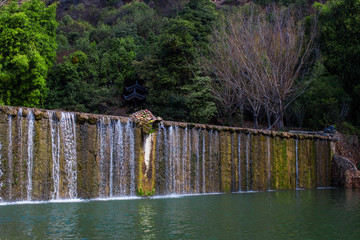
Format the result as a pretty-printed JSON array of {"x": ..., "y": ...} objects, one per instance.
[
  {"x": 344, "y": 173},
  {"x": 38, "y": 114},
  {"x": 11, "y": 111},
  {"x": 58, "y": 115},
  {"x": 81, "y": 118},
  {"x": 92, "y": 120},
  {"x": 25, "y": 112},
  {"x": 158, "y": 119}
]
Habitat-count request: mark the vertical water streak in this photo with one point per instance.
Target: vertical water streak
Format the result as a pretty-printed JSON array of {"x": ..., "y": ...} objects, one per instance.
[
  {"x": 167, "y": 158},
  {"x": 239, "y": 160},
  {"x": 10, "y": 155},
  {"x": 215, "y": 166},
  {"x": 30, "y": 152},
  {"x": 248, "y": 138},
  {"x": 111, "y": 143},
  {"x": 20, "y": 139},
  {"x": 55, "y": 153},
  {"x": 197, "y": 145},
  {"x": 203, "y": 163},
  {"x": 177, "y": 161},
  {"x": 184, "y": 162},
  {"x": 158, "y": 157},
  {"x": 296, "y": 164},
  {"x": 210, "y": 161},
  {"x": 188, "y": 167},
  {"x": 67, "y": 125},
  {"x": 269, "y": 162},
  {"x": 1, "y": 172},
  {"x": 130, "y": 135},
  {"x": 119, "y": 167},
  {"x": 101, "y": 154}
]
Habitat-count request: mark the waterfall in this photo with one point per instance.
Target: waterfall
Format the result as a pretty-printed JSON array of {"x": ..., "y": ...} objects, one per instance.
[
  {"x": 58, "y": 155},
  {"x": 248, "y": 139},
  {"x": 119, "y": 165},
  {"x": 239, "y": 160},
  {"x": 184, "y": 162},
  {"x": 104, "y": 144},
  {"x": 197, "y": 145},
  {"x": 117, "y": 157},
  {"x": 210, "y": 160},
  {"x": 130, "y": 157},
  {"x": 269, "y": 162},
  {"x": 20, "y": 139},
  {"x": 10, "y": 156},
  {"x": 1, "y": 172},
  {"x": 111, "y": 146},
  {"x": 171, "y": 159},
  {"x": 296, "y": 163},
  {"x": 30, "y": 152},
  {"x": 203, "y": 163},
  {"x": 67, "y": 125},
  {"x": 55, "y": 153}
]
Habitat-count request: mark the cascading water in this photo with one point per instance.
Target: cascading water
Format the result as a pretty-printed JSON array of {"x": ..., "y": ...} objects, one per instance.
[
  {"x": 117, "y": 158},
  {"x": 239, "y": 160},
  {"x": 268, "y": 162},
  {"x": 55, "y": 153},
  {"x": 20, "y": 140},
  {"x": 10, "y": 156},
  {"x": 248, "y": 139},
  {"x": 130, "y": 153},
  {"x": 187, "y": 158},
  {"x": 197, "y": 151},
  {"x": 184, "y": 162},
  {"x": 67, "y": 126},
  {"x": 203, "y": 162},
  {"x": 296, "y": 163},
  {"x": 119, "y": 173},
  {"x": 102, "y": 144},
  {"x": 30, "y": 152},
  {"x": 1, "y": 172}
]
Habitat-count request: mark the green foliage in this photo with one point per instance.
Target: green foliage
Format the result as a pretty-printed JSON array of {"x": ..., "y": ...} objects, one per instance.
[
  {"x": 175, "y": 92},
  {"x": 324, "y": 102},
  {"x": 339, "y": 42},
  {"x": 348, "y": 128},
  {"x": 27, "y": 50}
]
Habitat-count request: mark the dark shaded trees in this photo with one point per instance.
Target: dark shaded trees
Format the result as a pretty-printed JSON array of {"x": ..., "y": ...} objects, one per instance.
[{"x": 339, "y": 43}]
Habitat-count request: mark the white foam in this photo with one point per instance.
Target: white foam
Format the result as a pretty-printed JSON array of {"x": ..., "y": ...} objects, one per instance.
[{"x": 183, "y": 195}]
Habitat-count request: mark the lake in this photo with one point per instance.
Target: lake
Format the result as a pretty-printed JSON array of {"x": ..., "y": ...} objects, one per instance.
[{"x": 300, "y": 214}]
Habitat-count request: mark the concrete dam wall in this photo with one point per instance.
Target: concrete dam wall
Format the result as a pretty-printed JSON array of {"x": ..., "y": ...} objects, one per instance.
[{"x": 48, "y": 155}]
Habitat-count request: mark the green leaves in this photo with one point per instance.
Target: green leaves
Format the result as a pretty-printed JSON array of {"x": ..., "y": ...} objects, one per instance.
[
  {"x": 339, "y": 25},
  {"x": 27, "y": 50}
]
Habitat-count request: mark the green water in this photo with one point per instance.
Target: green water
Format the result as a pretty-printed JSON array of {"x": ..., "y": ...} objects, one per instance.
[{"x": 307, "y": 214}]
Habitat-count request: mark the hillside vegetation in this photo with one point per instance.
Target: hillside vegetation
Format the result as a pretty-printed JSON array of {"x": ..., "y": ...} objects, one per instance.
[{"x": 286, "y": 63}]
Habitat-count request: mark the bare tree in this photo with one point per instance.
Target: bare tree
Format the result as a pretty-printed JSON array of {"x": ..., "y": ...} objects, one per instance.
[
  {"x": 265, "y": 53},
  {"x": 3, "y": 2}
]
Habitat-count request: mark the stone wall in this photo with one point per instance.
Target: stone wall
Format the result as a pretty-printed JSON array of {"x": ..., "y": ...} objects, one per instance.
[{"x": 114, "y": 158}]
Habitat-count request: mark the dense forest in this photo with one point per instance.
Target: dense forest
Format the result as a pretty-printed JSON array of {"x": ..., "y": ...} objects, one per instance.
[{"x": 274, "y": 63}]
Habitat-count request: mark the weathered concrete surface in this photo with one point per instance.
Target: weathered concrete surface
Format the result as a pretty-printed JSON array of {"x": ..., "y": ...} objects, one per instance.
[{"x": 182, "y": 158}]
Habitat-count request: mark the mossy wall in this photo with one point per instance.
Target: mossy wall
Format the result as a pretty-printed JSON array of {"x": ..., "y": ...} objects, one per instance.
[{"x": 183, "y": 158}]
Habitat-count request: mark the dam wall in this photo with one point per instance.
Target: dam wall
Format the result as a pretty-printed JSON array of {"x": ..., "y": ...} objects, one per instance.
[{"x": 47, "y": 154}]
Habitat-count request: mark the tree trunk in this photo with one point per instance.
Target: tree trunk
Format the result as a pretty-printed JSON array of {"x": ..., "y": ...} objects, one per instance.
[{"x": 255, "y": 120}]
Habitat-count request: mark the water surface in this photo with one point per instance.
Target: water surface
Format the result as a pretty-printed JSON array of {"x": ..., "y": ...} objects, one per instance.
[{"x": 304, "y": 214}]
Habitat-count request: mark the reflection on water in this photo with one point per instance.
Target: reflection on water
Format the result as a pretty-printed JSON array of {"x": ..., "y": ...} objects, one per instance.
[{"x": 305, "y": 214}]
